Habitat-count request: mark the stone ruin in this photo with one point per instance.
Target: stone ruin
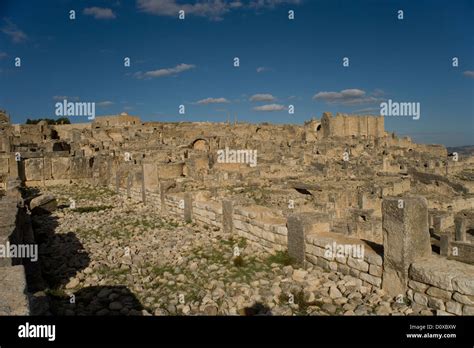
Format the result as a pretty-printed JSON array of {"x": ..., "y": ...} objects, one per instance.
[{"x": 338, "y": 181}]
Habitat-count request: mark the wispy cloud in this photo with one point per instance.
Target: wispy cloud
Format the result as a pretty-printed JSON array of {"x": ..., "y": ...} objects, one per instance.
[
  {"x": 99, "y": 12},
  {"x": 65, "y": 97},
  {"x": 13, "y": 32},
  {"x": 264, "y": 4},
  {"x": 368, "y": 111},
  {"x": 212, "y": 101},
  {"x": 105, "y": 103},
  {"x": 261, "y": 69},
  {"x": 214, "y": 10},
  {"x": 164, "y": 72},
  {"x": 294, "y": 97},
  {"x": 348, "y": 97},
  {"x": 270, "y": 107},
  {"x": 469, "y": 73},
  {"x": 262, "y": 98}
]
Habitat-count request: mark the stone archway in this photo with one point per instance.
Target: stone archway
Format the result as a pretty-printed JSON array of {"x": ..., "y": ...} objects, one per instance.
[{"x": 200, "y": 145}]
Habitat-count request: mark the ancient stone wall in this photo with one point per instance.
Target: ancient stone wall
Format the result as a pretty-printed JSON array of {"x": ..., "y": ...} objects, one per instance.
[
  {"x": 442, "y": 285},
  {"x": 321, "y": 250},
  {"x": 347, "y": 126},
  {"x": 13, "y": 286}
]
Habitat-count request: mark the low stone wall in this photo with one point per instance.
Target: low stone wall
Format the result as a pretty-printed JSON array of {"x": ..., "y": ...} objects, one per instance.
[
  {"x": 208, "y": 213},
  {"x": 13, "y": 286},
  {"x": 257, "y": 224},
  {"x": 443, "y": 285},
  {"x": 310, "y": 241},
  {"x": 174, "y": 204},
  {"x": 358, "y": 259},
  {"x": 13, "y": 298},
  {"x": 464, "y": 251},
  {"x": 269, "y": 232},
  {"x": 153, "y": 199}
]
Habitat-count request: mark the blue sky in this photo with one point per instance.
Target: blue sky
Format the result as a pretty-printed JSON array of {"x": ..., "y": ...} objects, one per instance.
[{"x": 282, "y": 62}]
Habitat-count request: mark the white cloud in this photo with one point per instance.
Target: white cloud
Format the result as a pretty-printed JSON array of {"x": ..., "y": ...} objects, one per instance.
[
  {"x": 368, "y": 111},
  {"x": 65, "y": 97},
  {"x": 347, "y": 97},
  {"x": 262, "y": 69},
  {"x": 212, "y": 101},
  {"x": 164, "y": 72},
  {"x": 105, "y": 103},
  {"x": 262, "y": 98},
  {"x": 270, "y": 107},
  {"x": 10, "y": 29},
  {"x": 99, "y": 12},
  {"x": 378, "y": 92},
  {"x": 214, "y": 10},
  {"x": 271, "y": 3},
  {"x": 469, "y": 73}
]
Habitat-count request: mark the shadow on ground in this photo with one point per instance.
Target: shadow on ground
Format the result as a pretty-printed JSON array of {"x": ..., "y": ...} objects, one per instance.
[
  {"x": 96, "y": 300},
  {"x": 61, "y": 257},
  {"x": 257, "y": 308}
]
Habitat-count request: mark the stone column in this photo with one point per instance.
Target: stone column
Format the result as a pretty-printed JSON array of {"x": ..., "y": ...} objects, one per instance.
[
  {"x": 143, "y": 185},
  {"x": 109, "y": 172},
  {"x": 16, "y": 168},
  {"x": 43, "y": 179},
  {"x": 385, "y": 164},
  {"x": 129, "y": 184},
  {"x": 362, "y": 200},
  {"x": 227, "y": 216},
  {"x": 117, "y": 181},
  {"x": 296, "y": 238},
  {"x": 460, "y": 227},
  {"x": 444, "y": 240},
  {"x": 437, "y": 222},
  {"x": 406, "y": 238},
  {"x": 188, "y": 207},
  {"x": 440, "y": 223}
]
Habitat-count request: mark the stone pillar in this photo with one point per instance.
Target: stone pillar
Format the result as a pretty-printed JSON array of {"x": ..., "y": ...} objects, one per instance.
[
  {"x": 362, "y": 200},
  {"x": 162, "y": 196},
  {"x": 43, "y": 179},
  {"x": 441, "y": 222},
  {"x": 406, "y": 238},
  {"x": 129, "y": 185},
  {"x": 460, "y": 228},
  {"x": 109, "y": 172},
  {"x": 143, "y": 186},
  {"x": 227, "y": 216},
  {"x": 385, "y": 164},
  {"x": 16, "y": 168},
  {"x": 444, "y": 239},
  {"x": 117, "y": 181},
  {"x": 437, "y": 222},
  {"x": 300, "y": 225},
  {"x": 188, "y": 207}
]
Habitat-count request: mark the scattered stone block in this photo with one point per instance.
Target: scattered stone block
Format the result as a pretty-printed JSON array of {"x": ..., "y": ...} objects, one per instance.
[{"x": 43, "y": 204}]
